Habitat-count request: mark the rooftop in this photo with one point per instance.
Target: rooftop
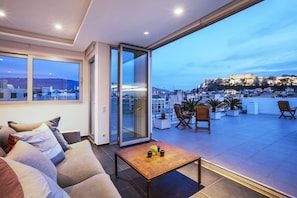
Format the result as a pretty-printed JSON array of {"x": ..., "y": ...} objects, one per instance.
[{"x": 259, "y": 147}]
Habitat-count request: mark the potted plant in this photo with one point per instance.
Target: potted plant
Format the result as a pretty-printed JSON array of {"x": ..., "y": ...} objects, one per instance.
[
  {"x": 234, "y": 105},
  {"x": 214, "y": 103},
  {"x": 189, "y": 105},
  {"x": 162, "y": 122}
]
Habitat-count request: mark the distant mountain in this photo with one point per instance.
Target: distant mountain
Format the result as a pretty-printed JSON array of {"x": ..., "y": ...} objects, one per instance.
[{"x": 59, "y": 84}]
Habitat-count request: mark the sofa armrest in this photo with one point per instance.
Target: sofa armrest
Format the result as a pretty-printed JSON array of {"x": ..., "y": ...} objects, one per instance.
[{"x": 71, "y": 136}]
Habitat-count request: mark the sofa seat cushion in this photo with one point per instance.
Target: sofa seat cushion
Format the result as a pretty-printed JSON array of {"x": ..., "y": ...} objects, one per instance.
[
  {"x": 79, "y": 164},
  {"x": 99, "y": 185}
]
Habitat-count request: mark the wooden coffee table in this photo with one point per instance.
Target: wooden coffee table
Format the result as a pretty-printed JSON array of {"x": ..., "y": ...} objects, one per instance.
[{"x": 155, "y": 166}]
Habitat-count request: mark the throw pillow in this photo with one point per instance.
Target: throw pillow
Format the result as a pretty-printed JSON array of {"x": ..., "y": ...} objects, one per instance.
[
  {"x": 20, "y": 180},
  {"x": 59, "y": 136},
  {"x": 27, "y": 154},
  {"x": 52, "y": 124},
  {"x": 4, "y": 133},
  {"x": 2, "y": 152},
  {"x": 20, "y": 127},
  {"x": 43, "y": 139}
]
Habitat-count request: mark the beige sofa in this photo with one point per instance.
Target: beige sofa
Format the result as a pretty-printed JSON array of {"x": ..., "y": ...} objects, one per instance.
[{"x": 79, "y": 174}]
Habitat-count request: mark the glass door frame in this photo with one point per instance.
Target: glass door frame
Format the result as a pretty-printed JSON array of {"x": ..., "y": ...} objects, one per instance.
[{"x": 120, "y": 96}]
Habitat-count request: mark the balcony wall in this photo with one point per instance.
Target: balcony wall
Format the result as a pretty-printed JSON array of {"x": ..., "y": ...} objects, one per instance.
[{"x": 267, "y": 105}]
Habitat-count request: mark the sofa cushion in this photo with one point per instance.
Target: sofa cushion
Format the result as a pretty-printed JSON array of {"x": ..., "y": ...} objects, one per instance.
[
  {"x": 52, "y": 124},
  {"x": 20, "y": 127},
  {"x": 27, "y": 154},
  {"x": 20, "y": 180},
  {"x": 79, "y": 164},
  {"x": 4, "y": 133},
  {"x": 101, "y": 185},
  {"x": 43, "y": 139}
]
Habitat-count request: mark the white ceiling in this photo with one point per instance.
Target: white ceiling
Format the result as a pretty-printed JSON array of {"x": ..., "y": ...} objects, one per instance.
[{"x": 108, "y": 21}]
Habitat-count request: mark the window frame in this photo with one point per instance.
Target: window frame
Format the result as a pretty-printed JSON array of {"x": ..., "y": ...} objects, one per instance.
[{"x": 30, "y": 58}]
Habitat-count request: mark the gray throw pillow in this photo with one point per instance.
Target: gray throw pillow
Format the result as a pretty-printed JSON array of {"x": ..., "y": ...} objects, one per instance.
[{"x": 31, "y": 156}]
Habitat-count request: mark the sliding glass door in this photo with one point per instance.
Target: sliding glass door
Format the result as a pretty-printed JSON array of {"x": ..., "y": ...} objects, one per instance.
[{"x": 134, "y": 93}]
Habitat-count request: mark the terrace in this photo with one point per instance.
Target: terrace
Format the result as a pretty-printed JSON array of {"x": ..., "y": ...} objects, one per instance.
[{"x": 261, "y": 148}]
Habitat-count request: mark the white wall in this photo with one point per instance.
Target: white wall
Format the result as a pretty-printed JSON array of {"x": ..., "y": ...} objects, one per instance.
[
  {"x": 101, "y": 54},
  {"x": 73, "y": 115},
  {"x": 267, "y": 105}
]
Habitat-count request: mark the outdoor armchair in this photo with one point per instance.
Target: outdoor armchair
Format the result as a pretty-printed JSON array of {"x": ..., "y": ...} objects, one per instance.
[
  {"x": 184, "y": 118},
  {"x": 285, "y": 110},
  {"x": 202, "y": 115}
]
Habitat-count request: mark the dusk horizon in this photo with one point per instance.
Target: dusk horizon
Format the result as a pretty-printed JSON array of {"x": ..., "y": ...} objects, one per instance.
[{"x": 261, "y": 40}]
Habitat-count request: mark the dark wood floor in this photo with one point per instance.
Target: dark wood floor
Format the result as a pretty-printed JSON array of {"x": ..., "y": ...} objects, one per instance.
[{"x": 179, "y": 184}]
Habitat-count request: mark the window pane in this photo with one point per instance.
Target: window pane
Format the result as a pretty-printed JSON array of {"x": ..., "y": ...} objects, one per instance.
[
  {"x": 55, "y": 80},
  {"x": 13, "y": 78}
]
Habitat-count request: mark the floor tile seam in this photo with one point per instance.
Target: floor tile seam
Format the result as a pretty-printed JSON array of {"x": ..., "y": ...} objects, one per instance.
[
  {"x": 214, "y": 183},
  {"x": 107, "y": 154},
  {"x": 202, "y": 193}
]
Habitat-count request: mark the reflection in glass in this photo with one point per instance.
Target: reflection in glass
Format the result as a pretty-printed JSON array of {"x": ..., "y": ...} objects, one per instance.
[
  {"x": 55, "y": 80},
  {"x": 134, "y": 94},
  {"x": 13, "y": 78}
]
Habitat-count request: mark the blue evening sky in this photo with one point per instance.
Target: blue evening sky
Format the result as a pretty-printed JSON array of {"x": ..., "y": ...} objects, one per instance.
[{"x": 261, "y": 40}]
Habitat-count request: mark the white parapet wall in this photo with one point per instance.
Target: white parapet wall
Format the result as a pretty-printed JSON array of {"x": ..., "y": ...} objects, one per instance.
[{"x": 267, "y": 105}]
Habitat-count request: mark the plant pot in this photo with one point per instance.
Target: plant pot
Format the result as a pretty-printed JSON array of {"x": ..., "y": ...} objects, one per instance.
[
  {"x": 215, "y": 115},
  {"x": 232, "y": 112},
  {"x": 162, "y": 123}
]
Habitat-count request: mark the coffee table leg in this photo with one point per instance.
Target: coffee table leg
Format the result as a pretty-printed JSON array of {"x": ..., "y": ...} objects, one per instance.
[
  {"x": 199, "y": 172},
  {"x": 148, "y": 188},
  {"x": 116, "y": 164}
]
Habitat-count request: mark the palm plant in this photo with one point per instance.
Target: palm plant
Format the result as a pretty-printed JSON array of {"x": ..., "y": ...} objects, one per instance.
[
  {"x": 189, "y": 105},
  {"x": 214, "y": 104},
  {"x": 232, "y": 103}
]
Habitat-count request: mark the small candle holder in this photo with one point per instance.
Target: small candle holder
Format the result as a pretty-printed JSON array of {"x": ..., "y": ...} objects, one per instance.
[
  {"x": 149, "y": 154},
  {"x": 162, "y": 153}
]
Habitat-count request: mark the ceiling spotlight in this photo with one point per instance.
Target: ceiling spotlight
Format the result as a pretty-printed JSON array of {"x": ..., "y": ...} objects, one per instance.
[
  {"x": 58, "y": 26},
  {"x": 146, "y": 33},
  {"x": 178, "y": 11},
  {"x": 2, "y": 13}
]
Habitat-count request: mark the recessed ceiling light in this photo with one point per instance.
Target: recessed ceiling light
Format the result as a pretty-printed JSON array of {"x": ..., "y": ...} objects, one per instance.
[
  {"x": 58, "y": 26},
  {"x": 178, "y": 11},
  {"x": 146, "y": 33},
  {"x": 2, "y": 13}
]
